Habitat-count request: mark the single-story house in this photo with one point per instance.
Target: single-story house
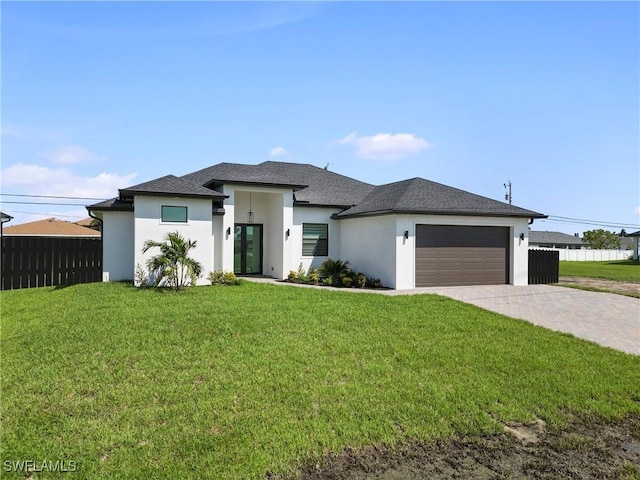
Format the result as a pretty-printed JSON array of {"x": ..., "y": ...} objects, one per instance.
[
  {"x": 554, "y": 240},
  {"x": 50, "y": 227},
  {"x": 270, "y": 218},
  {"x": 636, "y": 241}
]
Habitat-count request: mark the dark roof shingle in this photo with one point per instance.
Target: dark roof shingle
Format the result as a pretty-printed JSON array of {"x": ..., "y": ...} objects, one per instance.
[
  {"x": 312, "y": 185},
  {"x": 418, "y": 195},
  {"x": 171, "y": 185}
]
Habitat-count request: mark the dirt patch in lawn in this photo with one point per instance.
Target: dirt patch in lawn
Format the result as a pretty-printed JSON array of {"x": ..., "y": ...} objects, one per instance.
[
  {"x": 583, "y": 450},
  {"x": 622, "y": 288}
]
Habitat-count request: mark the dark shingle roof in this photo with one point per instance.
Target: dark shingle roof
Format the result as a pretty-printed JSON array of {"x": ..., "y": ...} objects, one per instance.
[
  {"x": 319, "y": 187},
  {"x": 634, "y": 234},
  {"x": 553, "y": 238},
  {"x": 171, "y": 185},
  {"x": 4, "y": 217},
  {"x": 418, "y": 195},
  {"x": 112, "y": 204},
  {"x": 312, "y": 185}
]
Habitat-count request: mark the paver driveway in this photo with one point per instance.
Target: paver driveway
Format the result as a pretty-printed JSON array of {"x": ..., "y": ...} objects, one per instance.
[{"x": 605, "y": 318}]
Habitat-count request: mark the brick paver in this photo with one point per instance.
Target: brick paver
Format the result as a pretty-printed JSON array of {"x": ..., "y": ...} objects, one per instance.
[{"x": 605, "y": 318}]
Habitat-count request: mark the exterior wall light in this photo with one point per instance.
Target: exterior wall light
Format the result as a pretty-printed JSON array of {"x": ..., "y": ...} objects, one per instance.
[
  {"x": 406, "y": 234},
  {"x": 522, "y": 236},
  {"x": 287, "y": 233},
  {"x": 228, "y": 231}
]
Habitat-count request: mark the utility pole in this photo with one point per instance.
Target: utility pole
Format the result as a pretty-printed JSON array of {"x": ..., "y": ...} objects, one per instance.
[{"x": 507, "y": 195}]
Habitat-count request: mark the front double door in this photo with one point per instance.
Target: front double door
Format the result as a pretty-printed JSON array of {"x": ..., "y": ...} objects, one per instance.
[{"x": 247, "y": 249}]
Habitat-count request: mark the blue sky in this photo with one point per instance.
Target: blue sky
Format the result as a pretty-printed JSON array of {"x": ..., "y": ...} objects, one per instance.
[{"x": 101, "y": 96}]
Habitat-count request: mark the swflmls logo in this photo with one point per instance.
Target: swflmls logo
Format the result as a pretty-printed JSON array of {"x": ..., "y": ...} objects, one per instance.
[{"x": 42, "y": 466}]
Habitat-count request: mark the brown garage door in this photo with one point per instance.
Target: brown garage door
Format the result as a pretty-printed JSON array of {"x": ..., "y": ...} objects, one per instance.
[{"x": 459, "y": 255}]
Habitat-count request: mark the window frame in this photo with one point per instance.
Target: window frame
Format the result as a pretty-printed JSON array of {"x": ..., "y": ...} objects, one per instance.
[
  {"x": 325, "y": 253},
  {"x": 186, "y": 214}
]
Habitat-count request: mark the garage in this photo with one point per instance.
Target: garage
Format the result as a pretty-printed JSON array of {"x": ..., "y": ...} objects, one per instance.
[{"x": 451, "y": 255}]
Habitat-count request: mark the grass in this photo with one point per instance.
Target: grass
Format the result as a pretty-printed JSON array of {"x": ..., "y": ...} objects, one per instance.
[
  {"x": 243, "y": 382},
  {"x": 621, "y": 271}
]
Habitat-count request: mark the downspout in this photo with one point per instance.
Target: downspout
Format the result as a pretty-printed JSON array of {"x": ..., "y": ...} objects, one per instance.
[{"x": 98, "y": 219}]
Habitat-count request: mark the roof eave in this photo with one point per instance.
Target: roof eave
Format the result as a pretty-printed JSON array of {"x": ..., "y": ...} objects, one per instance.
[
  {"x": 438, "y": 212},
  {"x": 219, "y": 183},
  {"x": 131, "y": 193}
]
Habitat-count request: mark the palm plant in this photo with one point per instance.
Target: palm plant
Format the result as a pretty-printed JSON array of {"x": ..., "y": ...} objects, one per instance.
[{"x": 173, "y": 264}]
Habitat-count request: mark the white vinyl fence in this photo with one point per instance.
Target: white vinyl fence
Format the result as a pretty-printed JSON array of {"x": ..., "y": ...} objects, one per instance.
[{"x": 584, "y": 255}]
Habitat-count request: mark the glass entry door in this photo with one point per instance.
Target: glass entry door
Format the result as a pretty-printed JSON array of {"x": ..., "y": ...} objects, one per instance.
[{"x": 247, "y": 249}]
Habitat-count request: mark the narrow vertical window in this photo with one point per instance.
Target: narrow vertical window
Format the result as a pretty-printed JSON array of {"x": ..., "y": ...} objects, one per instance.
[{"x": 315, "y": 240}]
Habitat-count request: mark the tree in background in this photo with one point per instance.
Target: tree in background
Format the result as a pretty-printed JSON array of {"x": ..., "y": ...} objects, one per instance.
[
  {"x": 601, "y": 239},
  {"x": 173, "y": 264}
]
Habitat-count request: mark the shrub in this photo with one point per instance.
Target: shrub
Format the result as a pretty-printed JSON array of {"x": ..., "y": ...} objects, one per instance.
[
  {"x": 361, "y": 280},
  {"x": 347, "y": 281},
  {"x": 313, "y": 276},
  {"x": 302, "y": 274},
  {"x": 373, "y": 282},
  {"x": 327, "y": 281},
  {"x": 141, "y": 277},
  {"x": 293, "y": 276},
  {"x": 334, "y": 268},
  {"x": 221, "y": 277}
]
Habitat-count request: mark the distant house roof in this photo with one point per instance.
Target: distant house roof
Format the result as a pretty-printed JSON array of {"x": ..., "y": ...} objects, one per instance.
[
  {"x": 634, "y": 234},
  {"x": 85, "y": 222},
  {"x": 553, "y": 238},
  {"x": 418, "y": 195},
  {"x": 51, "y": 227},
  {"x": 5, "y": 218}
]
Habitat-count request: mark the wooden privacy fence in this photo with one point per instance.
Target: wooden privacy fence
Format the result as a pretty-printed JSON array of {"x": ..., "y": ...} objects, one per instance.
[
  {"x": 29, "y": 262},
  {"x": 544, "y": 266}
]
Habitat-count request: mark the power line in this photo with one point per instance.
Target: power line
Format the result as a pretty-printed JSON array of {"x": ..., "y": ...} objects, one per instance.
[
  {"x": 49, "y": 196},
  {"x": 44, "y": 214},
  {"x": 45, "y": 203},
  {"x": 598, "y": 224},
  {"x": 586, "y": 220}
]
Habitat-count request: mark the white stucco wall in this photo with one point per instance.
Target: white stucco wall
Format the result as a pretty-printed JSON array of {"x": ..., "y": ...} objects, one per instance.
[
  {"x": 199, "y": 226},
  {"x": 273, "y": 209},
  {"x": 117, "y": 246},
  {"x": 294, "y": 243},
  {"x": 369, "y": 244},
  {"x": 376, "y": 245}
]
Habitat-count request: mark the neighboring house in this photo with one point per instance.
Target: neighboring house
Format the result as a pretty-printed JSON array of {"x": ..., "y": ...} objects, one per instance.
[
  {"x": 51, "y": 227},
  {"x": 626, "y": 243},
  {"x": 554, "y": 240},
  {"x": 268, "y": 219},
  {"x": 636, "y": 240}
]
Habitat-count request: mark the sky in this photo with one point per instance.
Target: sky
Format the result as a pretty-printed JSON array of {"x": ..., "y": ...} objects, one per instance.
[{"x": 97, "y": 96}]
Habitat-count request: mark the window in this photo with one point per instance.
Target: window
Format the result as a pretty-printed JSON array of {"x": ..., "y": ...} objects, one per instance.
[
  {"x": 174, "y": 214},
  {"x": 315, "y": 240}
]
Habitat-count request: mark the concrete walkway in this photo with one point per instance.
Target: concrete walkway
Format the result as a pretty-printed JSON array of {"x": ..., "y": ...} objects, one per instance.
[{"x": 605, "y": 318}]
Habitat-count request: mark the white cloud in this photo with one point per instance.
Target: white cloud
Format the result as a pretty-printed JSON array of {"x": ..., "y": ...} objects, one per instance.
[
  {"x": 277, "y": 152},
  {"x": 385, "y": 146},
  {"x": 71, "y": 154},
  {"x": 42, "y": 180}
]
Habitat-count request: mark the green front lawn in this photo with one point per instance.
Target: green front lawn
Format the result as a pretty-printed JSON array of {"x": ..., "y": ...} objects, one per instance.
[
  {"x": 235, "y": 382},
  {"x": 621, "y": 271}
]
